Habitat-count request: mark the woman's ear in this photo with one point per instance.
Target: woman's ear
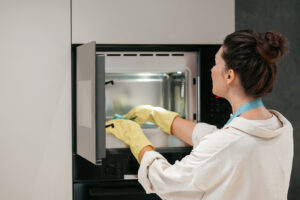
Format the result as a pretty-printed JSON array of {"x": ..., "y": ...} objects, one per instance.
[{"x": 230, "y": 76}]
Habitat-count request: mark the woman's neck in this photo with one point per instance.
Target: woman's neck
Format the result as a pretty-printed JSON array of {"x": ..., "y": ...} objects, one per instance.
[
  {"x": 259, "y": 113},
  {"x": 238, "y": 101}
]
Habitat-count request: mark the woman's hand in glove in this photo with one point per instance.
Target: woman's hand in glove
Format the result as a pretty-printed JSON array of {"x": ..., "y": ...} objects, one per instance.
[
  {"x": 130, "y": 133},
  {"x": 159, "y": 116}
]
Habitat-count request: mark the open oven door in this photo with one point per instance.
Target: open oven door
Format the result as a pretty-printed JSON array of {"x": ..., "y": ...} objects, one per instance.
[{"x": 90, "y": 103}]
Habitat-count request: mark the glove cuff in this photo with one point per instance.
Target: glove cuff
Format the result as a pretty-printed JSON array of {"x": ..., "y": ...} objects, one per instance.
[
  {"x": 165, "y": 120},
  {"x": 136, "y": 147}
]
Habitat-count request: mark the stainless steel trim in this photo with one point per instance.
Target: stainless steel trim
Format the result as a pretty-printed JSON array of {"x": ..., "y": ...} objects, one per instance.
[
  {"x": 100, "y": 108},
  {"x": 198, "y": 99},
  {"x": 130, "y": 176}
]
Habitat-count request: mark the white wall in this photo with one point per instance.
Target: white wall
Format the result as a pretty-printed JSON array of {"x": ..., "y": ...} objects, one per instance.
[
  {"x": 152, "y": 21},
  {"x": 35, "y": 100}
]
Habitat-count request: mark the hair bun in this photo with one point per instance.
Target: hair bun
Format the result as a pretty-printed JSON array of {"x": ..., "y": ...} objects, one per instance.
[{"x": 271, "y": 46}]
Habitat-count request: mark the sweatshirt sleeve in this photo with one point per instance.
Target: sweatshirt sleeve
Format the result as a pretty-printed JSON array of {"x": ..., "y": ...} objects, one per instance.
[
  {"x": 207, "y": 166},
  {"x": 200, "y": 130}
]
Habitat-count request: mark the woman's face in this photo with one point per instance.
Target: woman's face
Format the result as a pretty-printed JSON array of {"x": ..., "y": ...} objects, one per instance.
[{"x": 218, "y": 75}]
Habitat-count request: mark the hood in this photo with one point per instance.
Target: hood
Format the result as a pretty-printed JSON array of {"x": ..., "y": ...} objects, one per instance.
[{"x": 244, "y": 125}]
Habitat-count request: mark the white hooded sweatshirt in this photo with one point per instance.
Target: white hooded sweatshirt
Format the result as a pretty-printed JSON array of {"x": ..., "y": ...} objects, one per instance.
[{"x": 241, "y": 161}]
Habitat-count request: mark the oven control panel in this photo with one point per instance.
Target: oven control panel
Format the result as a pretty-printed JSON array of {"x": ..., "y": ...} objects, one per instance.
[{"x": 218, "y": 111}]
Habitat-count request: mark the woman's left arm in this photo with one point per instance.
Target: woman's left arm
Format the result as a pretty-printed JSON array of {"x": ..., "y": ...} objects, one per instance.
[
  {"x": 189, "y": 178},
  {"x": 181, "y": 128},
  {"x": 143, "y": 151}
]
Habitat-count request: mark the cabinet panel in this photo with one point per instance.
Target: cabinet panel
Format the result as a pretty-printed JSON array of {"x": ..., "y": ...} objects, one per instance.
[
  {"x": 152, "y": 22},
  {"x": 35, "y": 82}
]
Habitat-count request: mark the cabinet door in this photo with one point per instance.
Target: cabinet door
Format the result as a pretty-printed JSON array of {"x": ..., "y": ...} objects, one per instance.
[
  {"x": 90, "y": 103},
  {"x": 152, "y": 22}
]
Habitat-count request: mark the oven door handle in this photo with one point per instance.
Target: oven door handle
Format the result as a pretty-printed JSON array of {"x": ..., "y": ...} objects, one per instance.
[{"x": 109, "y": 82}]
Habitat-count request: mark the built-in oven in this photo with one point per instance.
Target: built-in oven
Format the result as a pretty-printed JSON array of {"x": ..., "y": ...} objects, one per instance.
[{"x": 108, "y": 81}]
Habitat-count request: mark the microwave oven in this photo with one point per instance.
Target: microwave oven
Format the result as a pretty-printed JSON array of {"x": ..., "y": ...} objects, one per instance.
[{"x": 109, "y": 80}]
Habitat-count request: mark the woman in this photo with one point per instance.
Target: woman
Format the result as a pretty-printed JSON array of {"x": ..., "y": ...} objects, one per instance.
[{"x": 249, "y": 158}]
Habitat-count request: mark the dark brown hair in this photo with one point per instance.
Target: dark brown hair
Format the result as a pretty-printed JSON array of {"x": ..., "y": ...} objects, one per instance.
[{"x": 253, "y": 57}]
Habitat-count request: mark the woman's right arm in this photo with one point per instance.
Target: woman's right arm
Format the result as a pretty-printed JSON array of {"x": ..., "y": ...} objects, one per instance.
[{"x": 183, "y": 129}]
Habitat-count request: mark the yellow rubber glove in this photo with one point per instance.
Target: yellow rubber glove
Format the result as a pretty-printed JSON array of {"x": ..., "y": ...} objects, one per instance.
[
  {"x": 130, "y": 133},
  {"x": 157, "y": 115}
]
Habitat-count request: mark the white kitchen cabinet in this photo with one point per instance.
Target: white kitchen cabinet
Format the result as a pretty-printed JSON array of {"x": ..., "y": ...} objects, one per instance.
[
  {"x": 35, "y": 101},
  {"x": 152, "y": 21}
]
